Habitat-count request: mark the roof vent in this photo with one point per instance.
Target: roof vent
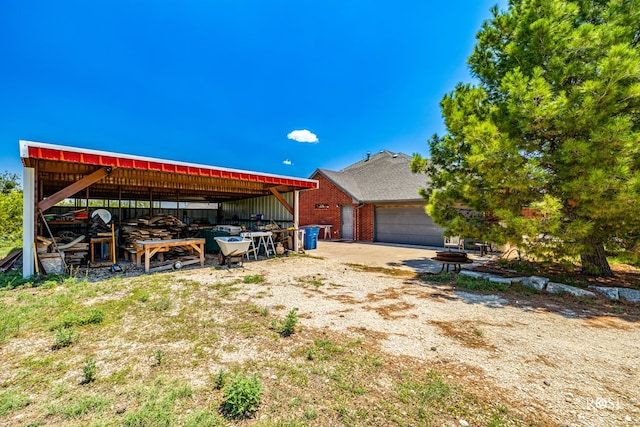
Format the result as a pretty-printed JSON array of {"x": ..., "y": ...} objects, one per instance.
[
  {"x": 395, "y": 155},
  {"x": 368, "y": 156}
]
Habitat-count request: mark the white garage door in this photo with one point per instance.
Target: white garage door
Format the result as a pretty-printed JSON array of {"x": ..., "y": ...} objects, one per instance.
[{"x": 408, "y": 225}]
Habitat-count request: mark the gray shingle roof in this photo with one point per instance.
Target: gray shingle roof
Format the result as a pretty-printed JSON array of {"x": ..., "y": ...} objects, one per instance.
[{"x": 384, "y": 177}]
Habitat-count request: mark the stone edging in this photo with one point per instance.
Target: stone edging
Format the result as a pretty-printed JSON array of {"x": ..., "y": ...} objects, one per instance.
[{"x": 543, "y": 284}]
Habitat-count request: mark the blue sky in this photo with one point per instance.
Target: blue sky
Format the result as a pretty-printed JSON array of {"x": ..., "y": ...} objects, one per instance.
[{"x": 228, "y": 82}]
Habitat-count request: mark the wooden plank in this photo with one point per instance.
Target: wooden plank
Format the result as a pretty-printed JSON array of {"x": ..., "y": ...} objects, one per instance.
[{"x": 72, "y": 189}]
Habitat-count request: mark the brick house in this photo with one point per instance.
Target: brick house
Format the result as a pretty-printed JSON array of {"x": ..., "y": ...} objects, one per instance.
[{"x": 375, "y": 200}]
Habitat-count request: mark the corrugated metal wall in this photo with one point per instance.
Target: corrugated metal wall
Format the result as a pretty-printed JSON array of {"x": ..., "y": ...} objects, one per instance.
[{"x": 268, "y": 206}]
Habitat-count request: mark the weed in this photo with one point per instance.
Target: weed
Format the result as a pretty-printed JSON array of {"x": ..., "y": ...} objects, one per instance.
[
  {"x": 480, "y": 284},
  {"x": 287, "y": 327},
  {"x": 478, "y": 332},
  {"x": 254, "y": 278},
  {"x": 64, "y": 337},
  {"x": 242, "y": 396},
  {"x": 89, "y": 371},
  {"x": 220, "y": 379},
  {"x": 159, "y": 354}
]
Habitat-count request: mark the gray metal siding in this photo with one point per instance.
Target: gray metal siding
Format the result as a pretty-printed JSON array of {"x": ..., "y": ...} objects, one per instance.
[{"x": 406, "y": 225}]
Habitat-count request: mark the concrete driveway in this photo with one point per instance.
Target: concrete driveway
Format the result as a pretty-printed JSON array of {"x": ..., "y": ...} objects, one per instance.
[{"x": 415, "y": 258}]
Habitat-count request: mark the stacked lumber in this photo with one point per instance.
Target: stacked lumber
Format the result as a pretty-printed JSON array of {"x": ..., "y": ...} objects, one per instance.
[{"x": 160, "y": 227}]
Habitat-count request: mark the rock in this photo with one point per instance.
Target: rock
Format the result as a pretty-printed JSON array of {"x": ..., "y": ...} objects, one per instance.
[
  {"x": 535, "y": 282},
  {"x": 611, "y": 293},
  {"x": 476, "y": 274},
  {"x": 631, "y": 295},
  {"x": 434, "y": 348},
  {"x": 497, "y": 279},
  {"x": 547, "y": 383},
  {"x": 556, "y": 288},
  {"x": 517, "y": 279},
  {"x": 463, "y": 423}
]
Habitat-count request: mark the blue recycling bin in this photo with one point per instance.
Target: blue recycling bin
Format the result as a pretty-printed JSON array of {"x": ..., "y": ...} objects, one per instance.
[{"x": 311, "y": 237}]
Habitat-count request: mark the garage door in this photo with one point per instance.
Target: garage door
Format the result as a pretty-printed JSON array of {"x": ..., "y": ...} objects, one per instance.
[{"x": 408, "y": 225}]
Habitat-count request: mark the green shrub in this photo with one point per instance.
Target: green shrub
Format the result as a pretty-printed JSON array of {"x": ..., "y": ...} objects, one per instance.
[{"x": 242, "y": 396}]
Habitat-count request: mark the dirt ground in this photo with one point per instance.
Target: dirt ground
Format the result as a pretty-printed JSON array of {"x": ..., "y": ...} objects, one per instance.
[{"x": 573, "y": 364}]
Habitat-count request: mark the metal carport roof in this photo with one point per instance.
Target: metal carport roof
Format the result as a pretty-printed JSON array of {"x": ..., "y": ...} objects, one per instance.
[{"x": 53, "y": 173}]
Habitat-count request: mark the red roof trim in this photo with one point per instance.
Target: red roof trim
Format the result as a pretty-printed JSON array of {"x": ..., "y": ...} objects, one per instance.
[{"x": 113, "y": 160}]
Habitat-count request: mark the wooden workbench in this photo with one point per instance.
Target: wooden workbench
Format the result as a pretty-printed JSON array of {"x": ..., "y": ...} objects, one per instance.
[{"x": 149, "y": 248}]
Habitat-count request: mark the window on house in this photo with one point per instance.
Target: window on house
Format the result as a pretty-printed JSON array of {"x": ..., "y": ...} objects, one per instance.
[{"x": 322, "y": 206}]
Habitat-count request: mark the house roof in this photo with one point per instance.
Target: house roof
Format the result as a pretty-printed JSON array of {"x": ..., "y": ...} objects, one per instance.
[
  {"x": 384, "y": 177},
  {"x": 135, "y": 177}
]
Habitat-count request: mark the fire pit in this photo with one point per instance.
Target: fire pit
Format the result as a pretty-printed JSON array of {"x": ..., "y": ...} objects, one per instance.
[{"x": 448, "y": 258}]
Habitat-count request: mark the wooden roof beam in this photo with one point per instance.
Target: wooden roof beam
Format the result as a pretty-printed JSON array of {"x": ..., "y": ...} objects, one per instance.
[
  {"x": 72, "y": 189},
  {"x": 281, "y": 199}
]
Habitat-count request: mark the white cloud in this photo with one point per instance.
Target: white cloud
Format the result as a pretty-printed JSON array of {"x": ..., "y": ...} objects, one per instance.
[
  {"x": 303, "y": 136},
  {"x": 287, "y": 162}
]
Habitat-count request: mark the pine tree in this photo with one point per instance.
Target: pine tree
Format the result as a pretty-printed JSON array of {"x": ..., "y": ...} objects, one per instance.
[{"x": 544, "y": 152}]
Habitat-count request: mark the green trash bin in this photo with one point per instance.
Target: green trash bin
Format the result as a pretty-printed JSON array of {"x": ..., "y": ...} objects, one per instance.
[{"x": 210, "y": 244}]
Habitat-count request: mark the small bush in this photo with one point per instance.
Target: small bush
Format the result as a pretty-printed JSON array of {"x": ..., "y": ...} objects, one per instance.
[
  {"x": 242, "y": 396},
  {"x": 89, "y": 371},
  {"x": 64, "y": 337},
  {"x": 287, "y": 327}
]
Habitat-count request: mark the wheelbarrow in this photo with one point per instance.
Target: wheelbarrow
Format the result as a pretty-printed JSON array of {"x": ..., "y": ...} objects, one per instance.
[{"x": 232, "y": 249}]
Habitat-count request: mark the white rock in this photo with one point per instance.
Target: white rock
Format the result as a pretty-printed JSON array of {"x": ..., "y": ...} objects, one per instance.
[
  {"x": 555, "y": 288},
  {"x": 463, "y": 423}
]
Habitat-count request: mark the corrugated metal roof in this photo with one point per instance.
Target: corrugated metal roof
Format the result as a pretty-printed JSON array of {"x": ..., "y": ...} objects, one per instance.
[{"x": 38, "y": 150}]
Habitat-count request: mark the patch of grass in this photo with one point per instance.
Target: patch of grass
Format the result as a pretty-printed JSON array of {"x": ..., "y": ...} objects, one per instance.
[
  {"x": 396, "y": 272},
  {"x": 162, "y": 304},
  {"x": 242, "y": 396},
  {"x": 11, "y": 400},
  {"x": 220, "y": 379},
  {"x": 262, "y": 311},
  {"x": 426, "y": 395},
  {"x": 482, "y": 285},
  {"x": 204, "y": 419},
  {"x": 157, "y": 406},
  {"x": 70, "y": 319},
  {"x": 255, "y": 278},
  {"x": 445, "y": 276},
  {"x": 64, "y": 337},
  {"x": 81, "y": 404},
  {"x": 225, "y": 289}
]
